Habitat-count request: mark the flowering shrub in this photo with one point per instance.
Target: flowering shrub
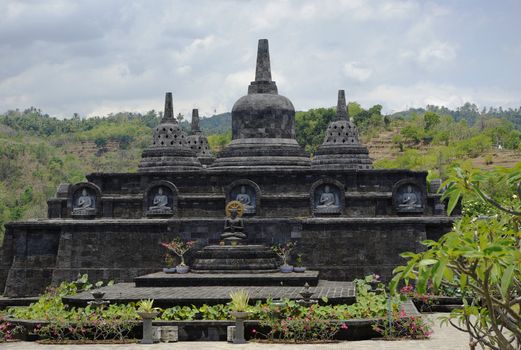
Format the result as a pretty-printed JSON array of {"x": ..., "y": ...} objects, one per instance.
[
  {"x": 403, "y": 326},
  {"x": 309, "y": 326},
  {"x": 113, "y": 322},
  {"x": 8, "y": 331},
  {"x": 283, "y": 250},
  {"x": 426, "y": 301},
  {"x": 179, "y": 247}
]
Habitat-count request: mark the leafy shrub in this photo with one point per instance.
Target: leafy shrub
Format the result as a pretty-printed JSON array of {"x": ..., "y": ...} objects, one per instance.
[
  {"x": 310, "y": 326},
  {"x": 8, "y": 331},
  {"x": 481, "y": 256},
  {"x": 403, "y": 326}
]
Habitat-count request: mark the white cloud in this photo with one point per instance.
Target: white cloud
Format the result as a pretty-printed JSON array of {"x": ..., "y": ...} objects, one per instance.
[
  {"x": 186, "y": 69},
  {"x": 399, "y": 97},
  {"x": 90, "y": 57},
  {"x": 442, "y": 51},
  {"x": 357, "y": 72}
]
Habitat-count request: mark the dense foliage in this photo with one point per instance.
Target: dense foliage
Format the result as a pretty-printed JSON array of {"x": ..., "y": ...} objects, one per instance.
[
  {"x": 283, "y": 319},
  {"x": 481, "y": 256}
]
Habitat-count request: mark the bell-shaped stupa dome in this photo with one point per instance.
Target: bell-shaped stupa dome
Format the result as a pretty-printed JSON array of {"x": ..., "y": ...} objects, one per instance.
[
  {"x": 263, "y": 125},
  {"x": 341, "y": 148},
  {"x": 198, "y": 142}
]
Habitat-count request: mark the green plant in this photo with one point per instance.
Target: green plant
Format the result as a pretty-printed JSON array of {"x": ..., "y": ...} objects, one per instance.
[
  {"x": 181, "y": 313},
  {"x": 49, "y": 305},
  {"x": 305, "y": 327},
  {"x": 179, "y": 247},
  {"x": 403, "y": 326},
  {"x": 481, "y": 256},
  {"x": 146, "y": 305},
  {"x": 169, "y": 260},
  {"x": 298, "y": 260},
  {"x": 113, "y": 322},
  {"x": 284, "y": 250},
  {"x": 240, "y": 300},
  {"x": 8, "y": 331}
]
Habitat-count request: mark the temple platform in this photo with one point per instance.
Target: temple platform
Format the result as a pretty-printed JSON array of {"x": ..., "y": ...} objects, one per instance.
[
  {"x": 337, "y": 292},
  {"x": 161, "y": 279}
]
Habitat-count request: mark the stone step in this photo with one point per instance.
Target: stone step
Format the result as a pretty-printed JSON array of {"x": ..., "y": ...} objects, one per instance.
[
  {"x": 235, "y": 258},
  {"x": 245, "y": 278}
]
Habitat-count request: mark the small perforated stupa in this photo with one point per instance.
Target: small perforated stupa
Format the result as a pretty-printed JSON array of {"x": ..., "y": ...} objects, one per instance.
[
  {"x": 198, "y": 142},
  {"x": 341, "y": 148},
  {"x": 169, "y": 150}
]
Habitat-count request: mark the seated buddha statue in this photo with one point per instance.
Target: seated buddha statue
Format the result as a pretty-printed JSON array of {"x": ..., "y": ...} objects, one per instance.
[
  {"x": 84, "y": 202},
  {"x": 160, "y": 201},
  {"x": 327, "y": 199},
  {"x": 233, "y": 227},
  {"x": 245, "y": 199},
  {"x": 410, "y": 199}
]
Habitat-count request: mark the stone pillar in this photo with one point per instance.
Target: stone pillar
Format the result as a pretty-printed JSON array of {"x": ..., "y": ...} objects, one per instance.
[
  {"x": 341, "y": 107},
  {"x": 168, "y": 114},
  {"x": 195, "y": 121},
  {"x": 263, "y": 68}
]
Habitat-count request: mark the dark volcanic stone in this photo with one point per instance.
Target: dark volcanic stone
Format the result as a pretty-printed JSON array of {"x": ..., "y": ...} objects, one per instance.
[
  {"x": 161, "y": 279},
  {"x": 341, "y": 148},
  {"x": 169, "y": 150},
  {"x": 235, "y": 259}
]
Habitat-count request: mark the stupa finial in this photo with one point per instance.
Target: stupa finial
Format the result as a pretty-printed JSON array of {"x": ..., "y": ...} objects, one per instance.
[
  {"x": 263, "y": 69},
  {"x": 195, "y": 121},
  {"x": 168, "y": 114},
  {"x": 341, "y": 107},
  {"x": 263, "y": 83}
]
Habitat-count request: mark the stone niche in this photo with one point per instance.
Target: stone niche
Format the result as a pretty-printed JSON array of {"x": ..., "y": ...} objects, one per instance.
[
  {"x": 84, "y": 201},
  {"x": 408, "y": 197},
  {"x": 247, "y": 192},
  {"x": 327, "y": 197},
  {"x": 160, "y": 199}
]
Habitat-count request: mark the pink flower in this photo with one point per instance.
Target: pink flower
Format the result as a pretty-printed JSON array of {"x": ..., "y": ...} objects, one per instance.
[
  {"x": 344, "y": 326},
  {"x": 254, "y": 331}
]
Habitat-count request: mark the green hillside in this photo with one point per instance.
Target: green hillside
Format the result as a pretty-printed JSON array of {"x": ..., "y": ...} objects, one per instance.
[{"x": 38, "y": 152}]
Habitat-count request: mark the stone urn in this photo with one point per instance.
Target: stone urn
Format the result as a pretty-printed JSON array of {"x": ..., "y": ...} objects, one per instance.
[
  {"x": 169, "y": 269},
  {"x": 148, "y": 329},
  {"x": 240, "y": 316},
  {"x": 182, "y": 268},
  {"x": 299, "y": 269},
  {"x": 286, "y": 268}
]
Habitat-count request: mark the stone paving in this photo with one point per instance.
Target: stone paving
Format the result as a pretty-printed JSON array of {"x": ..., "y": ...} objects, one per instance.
[
  {"x": 444, "y": 338},
  {"x": 124, "y": 292}
]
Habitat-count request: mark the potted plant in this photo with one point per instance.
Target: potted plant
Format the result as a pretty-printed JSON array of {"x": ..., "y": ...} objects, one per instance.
[
  {"x": 283, "y": 251},
  {"x": 179, "y": 247},
  {"x": 147, "y": 312},
  {"x": 169, "y": 263},
  {"x": 298, "y": 264},
  {"x": 239, "y": 306}
]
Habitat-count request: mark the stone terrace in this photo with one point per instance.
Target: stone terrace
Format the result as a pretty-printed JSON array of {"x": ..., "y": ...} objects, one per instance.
[{"x": 336, "y": 291}]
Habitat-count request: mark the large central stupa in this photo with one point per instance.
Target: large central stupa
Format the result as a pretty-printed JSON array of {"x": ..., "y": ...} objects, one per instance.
[{"x": 263, "y": 125}]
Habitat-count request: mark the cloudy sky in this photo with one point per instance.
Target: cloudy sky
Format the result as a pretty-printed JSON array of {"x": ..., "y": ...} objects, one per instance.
[{"x": 96, "y": 57}]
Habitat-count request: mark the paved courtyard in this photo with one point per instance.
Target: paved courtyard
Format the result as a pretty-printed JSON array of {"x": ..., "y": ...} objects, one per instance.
[{"x": 446, "y": 338}]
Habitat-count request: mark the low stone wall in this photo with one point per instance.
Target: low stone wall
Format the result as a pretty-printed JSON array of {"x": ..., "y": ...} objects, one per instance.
[{"x": 38, "y": 254}]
